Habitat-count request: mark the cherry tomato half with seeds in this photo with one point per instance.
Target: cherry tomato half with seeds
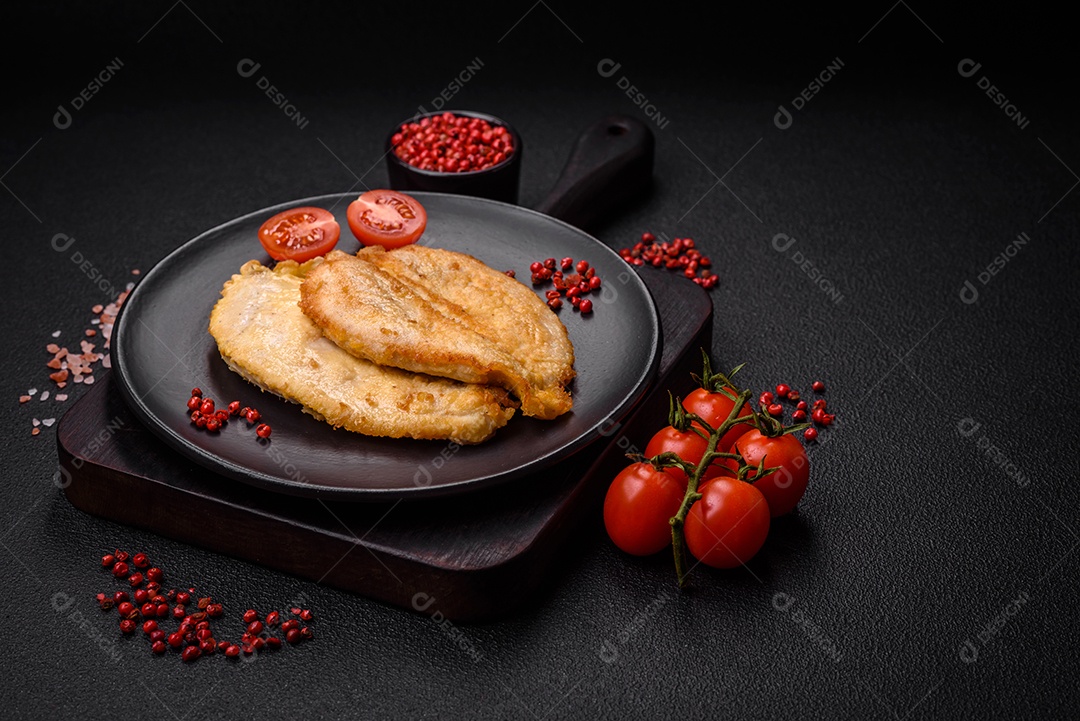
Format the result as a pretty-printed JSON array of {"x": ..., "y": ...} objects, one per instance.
[
  {"x": 688, "y": 446},
  {"x": 386, "y": 217},
  {"x": 299, "y": 234},
  {"x": 784, "y": 487},
  {"x": 728, "y": 525},
  {"x": 638, "y": 507},
  {"x": 713, "y": 408}
]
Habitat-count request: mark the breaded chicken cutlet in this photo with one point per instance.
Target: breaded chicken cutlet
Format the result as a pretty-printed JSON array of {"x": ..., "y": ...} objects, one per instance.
[
  {"x": 264, "y": 336},
  {"x": 445, "y": 314}
]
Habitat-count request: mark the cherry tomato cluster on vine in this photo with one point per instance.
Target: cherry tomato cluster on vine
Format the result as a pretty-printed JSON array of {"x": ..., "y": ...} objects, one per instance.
[{"x": 761, "y": 473}]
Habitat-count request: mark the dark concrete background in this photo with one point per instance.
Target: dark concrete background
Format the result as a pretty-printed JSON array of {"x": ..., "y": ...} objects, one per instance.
[{"x": 928, "y": 568}]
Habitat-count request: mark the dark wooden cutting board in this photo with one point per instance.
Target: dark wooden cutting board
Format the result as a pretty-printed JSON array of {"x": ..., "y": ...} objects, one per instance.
[{"x": 471, "y": 557}]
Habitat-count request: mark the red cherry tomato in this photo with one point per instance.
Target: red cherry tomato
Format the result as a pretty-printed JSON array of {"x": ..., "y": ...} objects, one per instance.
[
  {"x": 688, "y": 446},
  {"x": 299, "y": 234},
  {"x": 728, "y": 524},
  {"x": 714, "y": 408},
  {"x": 786, "y": 485},
  {"x": 638, "y": 507},
  {"x": 387, "y": 218}
]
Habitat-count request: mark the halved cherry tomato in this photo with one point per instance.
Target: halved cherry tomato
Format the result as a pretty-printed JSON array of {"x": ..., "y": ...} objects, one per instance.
[
  {"x": 713, "y": 407},
  {"x": 728, "y": 524},
  {"x": 299, "y": 234},
  {"x": 386, "y": 217},
  {"x": 786, "y": 485},
  {"x": 639, "y": 503},
  {"x": 688, "y": 446}
]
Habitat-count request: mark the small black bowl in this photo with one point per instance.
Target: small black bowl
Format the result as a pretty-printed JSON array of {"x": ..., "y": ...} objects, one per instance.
[{"x": 499, "y": 182}]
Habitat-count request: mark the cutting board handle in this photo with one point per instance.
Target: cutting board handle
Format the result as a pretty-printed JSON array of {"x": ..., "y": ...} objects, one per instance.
[{"x": 609, "y": 167}]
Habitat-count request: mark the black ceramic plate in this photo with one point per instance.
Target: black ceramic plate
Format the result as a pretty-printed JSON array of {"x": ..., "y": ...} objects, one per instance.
[{"x": 162, "y": 348}]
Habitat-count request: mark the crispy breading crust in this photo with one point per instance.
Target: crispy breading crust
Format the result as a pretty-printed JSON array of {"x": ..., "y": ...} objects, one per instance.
[
  {"x": 263, "y": 335},
  {"x": 446, "y": 314}
]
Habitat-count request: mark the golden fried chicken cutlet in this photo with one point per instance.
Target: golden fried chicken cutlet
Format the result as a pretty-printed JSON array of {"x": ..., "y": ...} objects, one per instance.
[
  {"x": 506, "y": 312},
  {"x": 264, "y": 336},
  {"x": 445, "y": 314}
]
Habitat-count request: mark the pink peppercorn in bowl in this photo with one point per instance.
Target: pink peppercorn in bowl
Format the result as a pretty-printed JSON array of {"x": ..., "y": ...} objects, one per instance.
[{"x": 456, "y": 151}]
